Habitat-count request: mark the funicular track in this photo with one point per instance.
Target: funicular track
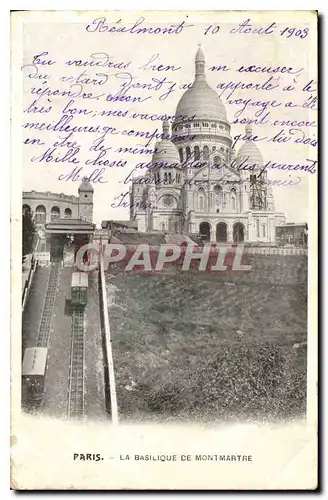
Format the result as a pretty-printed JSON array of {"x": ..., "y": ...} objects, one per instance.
[
  {"x": 76, "y": 374},
  {"x": 43, "y": 336}
]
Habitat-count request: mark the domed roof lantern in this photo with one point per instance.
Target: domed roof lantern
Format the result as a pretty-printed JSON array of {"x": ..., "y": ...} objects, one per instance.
[
  {"x": 200, "y": 54},
  {"x": 200, "y": 101},
  {"x": 85, "y": 187},
  {"x": 166, "y": 128},
  {"x": 200, "y": 64},
  {"x": 248, "y": 131}
]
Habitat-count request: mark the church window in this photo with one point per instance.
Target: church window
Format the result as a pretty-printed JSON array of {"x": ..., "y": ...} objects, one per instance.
[
  {"x": 213, "y": 148},
  {"x": 217, "y": 196},
  {"x": 163, "y": 226},
  {"x": 233, "y": 199},
  {"x": 168, "y": 200},
  {"x": 170, "y": 177},
  {"x": 206, "y": 153},
  {"x": 221, "y": 148},
  {"x": 181, "y": 154},
  {"x": 196, "y": 124},
  {"x": 188, "y": 152},
  {"x": 257, "y": 228},
  {"x": 196, "y": 153},
  {"x": 165, "y": 176},
  {"x": 263, "y": 231},
  {"x": 201, "y": 198},
  {"x": 217, "y": 160}
]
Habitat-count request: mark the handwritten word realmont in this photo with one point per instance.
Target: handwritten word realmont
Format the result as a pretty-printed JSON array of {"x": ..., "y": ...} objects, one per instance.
[{"x": 100, "y": 25}]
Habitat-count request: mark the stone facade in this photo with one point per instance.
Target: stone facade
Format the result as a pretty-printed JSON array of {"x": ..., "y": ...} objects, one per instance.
[
  {"x": 49, "y": 207},
  {"x": 196, "y": 184}
]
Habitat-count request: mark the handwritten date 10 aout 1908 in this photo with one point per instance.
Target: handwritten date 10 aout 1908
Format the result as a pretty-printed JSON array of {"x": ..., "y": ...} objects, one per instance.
[{"x": 247, "y": 28}]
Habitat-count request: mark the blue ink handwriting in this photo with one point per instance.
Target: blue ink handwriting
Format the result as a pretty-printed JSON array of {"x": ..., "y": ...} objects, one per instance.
[{"x": 101, "y": 26}]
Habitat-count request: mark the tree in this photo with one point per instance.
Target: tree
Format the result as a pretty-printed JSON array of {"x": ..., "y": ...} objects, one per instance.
[{"x": 28, "y": 228}]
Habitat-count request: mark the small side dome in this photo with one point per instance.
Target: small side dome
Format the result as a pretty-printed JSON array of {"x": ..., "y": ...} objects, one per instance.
[
  {"x": 86, "y": 187},
  {"x": 249, "y": 152},
  {"x": 165, "y": 150}
]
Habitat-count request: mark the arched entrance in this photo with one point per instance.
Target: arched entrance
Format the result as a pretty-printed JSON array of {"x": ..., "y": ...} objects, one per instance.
[
  {"x": 26, "y": 209},
  {"x": 238, "y": 232},
  {"x": 205, "y": 231},
  {"x": 221, "y": 232}
]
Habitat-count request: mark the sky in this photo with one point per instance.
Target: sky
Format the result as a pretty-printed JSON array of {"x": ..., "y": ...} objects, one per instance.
[{"x": 224, "y": 43}]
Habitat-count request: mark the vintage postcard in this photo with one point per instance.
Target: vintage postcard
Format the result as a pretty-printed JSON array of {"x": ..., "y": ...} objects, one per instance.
[{"x": 164, "y": 250}]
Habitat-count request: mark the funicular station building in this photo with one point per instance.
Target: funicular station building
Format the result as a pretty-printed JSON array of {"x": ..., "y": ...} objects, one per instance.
[
  {"x": 55, "y": 306},
  {"x": 64, "y": 223}
]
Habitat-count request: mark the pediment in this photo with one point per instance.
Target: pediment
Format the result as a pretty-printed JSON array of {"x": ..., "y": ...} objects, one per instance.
[{"x": 208, "y": 173}]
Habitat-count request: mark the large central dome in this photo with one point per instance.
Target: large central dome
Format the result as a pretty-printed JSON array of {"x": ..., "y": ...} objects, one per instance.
[{"x": 200, "y": 100}]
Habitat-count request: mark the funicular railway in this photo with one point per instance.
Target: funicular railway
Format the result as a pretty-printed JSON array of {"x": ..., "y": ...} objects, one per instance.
[
  {"x": 35, "y": 359},
  {"x": 76, "y": 386},
  {"x": 79, "y": 231},
  {"x": 76, "y": 374},
  {"x": 36, "y": 364}
]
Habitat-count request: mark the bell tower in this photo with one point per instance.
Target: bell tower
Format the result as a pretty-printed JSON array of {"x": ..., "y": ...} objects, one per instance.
[{"x": 86, "y": 201}]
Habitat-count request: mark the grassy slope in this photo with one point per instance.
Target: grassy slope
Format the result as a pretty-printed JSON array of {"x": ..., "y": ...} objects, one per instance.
[{"x": 205, "y": 346}]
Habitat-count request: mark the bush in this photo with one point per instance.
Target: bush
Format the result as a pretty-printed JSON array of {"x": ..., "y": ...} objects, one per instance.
[{"x": 238, "y": 382}]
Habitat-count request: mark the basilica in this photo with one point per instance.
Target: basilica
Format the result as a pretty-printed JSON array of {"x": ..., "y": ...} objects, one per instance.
[{"x": 197, "y": 184}]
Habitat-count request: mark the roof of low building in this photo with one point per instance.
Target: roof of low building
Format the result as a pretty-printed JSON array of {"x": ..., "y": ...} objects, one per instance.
[{"x": 34, "y": 361}]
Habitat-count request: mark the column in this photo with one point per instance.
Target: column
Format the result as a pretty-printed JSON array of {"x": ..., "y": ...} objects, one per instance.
[
  {"x": 230, "y": 232},
  {"x": 213, "y": 233}
]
